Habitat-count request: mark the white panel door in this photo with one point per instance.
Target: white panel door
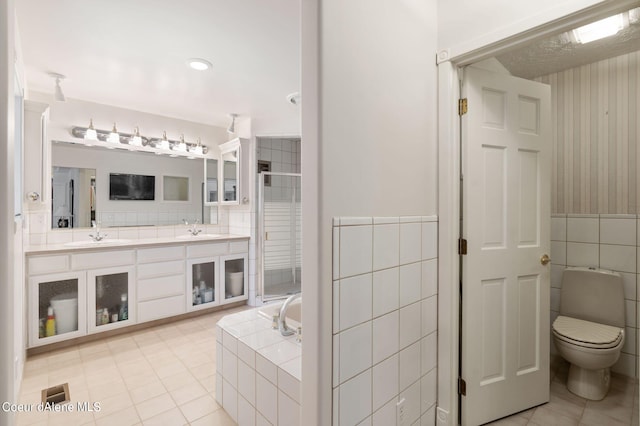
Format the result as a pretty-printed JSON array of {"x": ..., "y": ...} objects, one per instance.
[{"x": 506, "y": 149}]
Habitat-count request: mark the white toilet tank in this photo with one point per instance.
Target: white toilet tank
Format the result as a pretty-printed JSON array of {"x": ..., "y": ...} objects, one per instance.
[{"x": 592, "y": 294}]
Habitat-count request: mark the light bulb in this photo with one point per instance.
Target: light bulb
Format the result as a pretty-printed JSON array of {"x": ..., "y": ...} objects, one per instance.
[
  {"x": 114, "y": 137},
  {"x": 91, "y": 133},
  {"x": 164, "y": 143},
  {"x": 136, "y": 140},
  {"x": 197, "y": 149}
]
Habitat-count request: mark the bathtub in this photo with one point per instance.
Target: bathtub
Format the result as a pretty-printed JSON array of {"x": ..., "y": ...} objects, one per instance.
[
  {"x": 258, "y": 370},
  {"x": 293, "y": 315}
]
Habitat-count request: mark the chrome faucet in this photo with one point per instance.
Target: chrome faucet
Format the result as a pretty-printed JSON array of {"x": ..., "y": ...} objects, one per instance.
[
  {"x": 192, "y": 230},
  {"x": 97, "y": 236},
  {"x": 282, "y": 321}
]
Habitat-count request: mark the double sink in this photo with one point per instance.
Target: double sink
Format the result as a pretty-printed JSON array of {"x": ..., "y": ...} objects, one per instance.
[{"x": 120, "y": 241}]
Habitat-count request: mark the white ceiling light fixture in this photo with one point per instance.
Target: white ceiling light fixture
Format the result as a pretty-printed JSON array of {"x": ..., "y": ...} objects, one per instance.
[
  {"x": 114, "y": 136},
  {"x": 199, "y": 64},
  {"x": 601, "y": 29},
  {"x": 91, "y": 133},
  {"x": 136, "y": 139},
  {"x": 232, "y": 127},
  {"x": 57, "y": 94}
]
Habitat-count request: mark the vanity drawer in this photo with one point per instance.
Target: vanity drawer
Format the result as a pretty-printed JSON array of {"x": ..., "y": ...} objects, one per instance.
[
  {"x": 150, "y": 270},
  {"x": 204, "y": 250},
  {"x": 47, "y": 264},
  {"x": 155, "y": 288},
  {"x": 161, "y": 308},
  {"x": 103, "y": 259},
  {"x": 239, "y": 246},
  {"x": 160, "y": 254}
]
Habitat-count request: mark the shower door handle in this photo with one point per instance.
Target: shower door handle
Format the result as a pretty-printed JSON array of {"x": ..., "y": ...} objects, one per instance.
[{"x": 266, "y": 236}]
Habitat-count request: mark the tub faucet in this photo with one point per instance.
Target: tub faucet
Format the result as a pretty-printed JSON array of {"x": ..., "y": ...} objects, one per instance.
[
  {"x": 282, "y": 321},
  {"x": 192, "y": 230},
  {"x": 97, "y": 236}
]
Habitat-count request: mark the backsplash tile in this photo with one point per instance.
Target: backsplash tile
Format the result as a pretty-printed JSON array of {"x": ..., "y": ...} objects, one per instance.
[
  {"x": 618, "y": 231},
  {"x": 582, "y": 229},
  {"x": 385, "y": 342}
]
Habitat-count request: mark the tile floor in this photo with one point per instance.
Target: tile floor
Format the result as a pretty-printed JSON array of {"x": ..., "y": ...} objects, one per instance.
[
  {"x": 619, "y": 408},
  {"x": 163, "y": 375}
]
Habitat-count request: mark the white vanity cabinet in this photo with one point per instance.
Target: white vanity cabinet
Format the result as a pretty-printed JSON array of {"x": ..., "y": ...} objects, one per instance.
[
  {"x": 160, "y": 282},
  {"x": 87, "y": 289},
  {"x": 203, "y": 283},
  {"x": 210, "y": 277},
  {"x": 64, "y": 293},
  {"x": 109, "y": 292}
]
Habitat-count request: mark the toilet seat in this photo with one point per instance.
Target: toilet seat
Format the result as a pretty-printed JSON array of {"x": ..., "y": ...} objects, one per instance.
[{"x": 587, "y": 334}]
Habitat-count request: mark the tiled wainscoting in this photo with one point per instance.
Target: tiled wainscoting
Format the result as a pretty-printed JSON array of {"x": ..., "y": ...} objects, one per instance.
[
  {"x": 384, "y": 320},
  {"x": 258, "y": 371},
  {"x": 603, "y": 241}
]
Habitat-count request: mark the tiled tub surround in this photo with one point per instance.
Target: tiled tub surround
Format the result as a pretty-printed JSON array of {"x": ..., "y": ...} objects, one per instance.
[
  {"x": 603, "y": 241},
  {"x": 258, "y": 371},
  {"x": 384, "y": 320}
]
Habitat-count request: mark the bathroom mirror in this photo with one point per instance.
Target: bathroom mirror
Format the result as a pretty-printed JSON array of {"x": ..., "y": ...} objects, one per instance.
[
  {"x": 73, "y": 203},
  {"x": 211, "y": 179},
  {"x": 177, "y": 195},
  {"x": 230, "y": 172}
]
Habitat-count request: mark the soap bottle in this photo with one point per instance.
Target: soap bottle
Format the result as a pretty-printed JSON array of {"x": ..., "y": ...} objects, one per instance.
[
  {"x": 124, "y": 309},
  {"x": 50, "y": 326},
  {"x": 105, "y": 316}
]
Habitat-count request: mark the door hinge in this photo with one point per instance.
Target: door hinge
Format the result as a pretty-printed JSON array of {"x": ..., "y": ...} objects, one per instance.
[
  {"x": 462, "y": 246},
  {"x": 462, "y": 387},
  {"x": 462, "y": 106}
]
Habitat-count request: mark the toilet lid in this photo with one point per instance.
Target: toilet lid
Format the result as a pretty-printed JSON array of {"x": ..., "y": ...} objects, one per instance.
[{"x": 587, "y": 333}]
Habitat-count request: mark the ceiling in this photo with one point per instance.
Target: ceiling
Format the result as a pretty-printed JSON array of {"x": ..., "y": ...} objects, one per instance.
[
  {"x": 558, "y": 53},
  {"x": 132, "y": 54}
]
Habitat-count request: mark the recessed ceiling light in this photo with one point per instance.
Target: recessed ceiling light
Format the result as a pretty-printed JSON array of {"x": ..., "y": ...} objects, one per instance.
[
  {"x": 599, "y": 29},
  {"x": 199, "y": 64}
]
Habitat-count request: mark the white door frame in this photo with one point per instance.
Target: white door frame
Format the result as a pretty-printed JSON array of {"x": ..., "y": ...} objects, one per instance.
[{"x": 449, "y": 191}]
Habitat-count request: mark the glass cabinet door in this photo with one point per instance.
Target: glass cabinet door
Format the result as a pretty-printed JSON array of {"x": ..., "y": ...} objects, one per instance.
[
  {"x": 202, "y": 283},
  {"x": 234, "y": 271},
  {"x": 57, "y": 308},
  {"x": 110, "y": 296}
]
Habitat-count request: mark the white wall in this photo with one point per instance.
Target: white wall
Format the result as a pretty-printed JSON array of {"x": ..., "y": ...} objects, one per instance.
[
  {"x": 466, "y": 25},
  {"x": 7, "y": 255},
  {"x": 368, "y": 150},
  {"x": 74, "y": 112}
]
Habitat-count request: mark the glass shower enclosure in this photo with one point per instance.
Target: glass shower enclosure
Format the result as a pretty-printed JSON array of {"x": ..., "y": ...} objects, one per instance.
[{"x": 280, "y": 234}]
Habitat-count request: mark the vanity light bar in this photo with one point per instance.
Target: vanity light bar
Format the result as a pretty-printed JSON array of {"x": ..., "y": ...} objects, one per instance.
[{"x": 128, "y": 139}]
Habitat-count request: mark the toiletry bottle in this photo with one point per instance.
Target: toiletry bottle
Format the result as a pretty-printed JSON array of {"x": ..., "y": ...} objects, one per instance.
[
  {"x": 105, "y": 316},
  {"x": 41, "y": 328},
  {"x": 124, "y": 309},
  {"x": 50, "y": 326}
]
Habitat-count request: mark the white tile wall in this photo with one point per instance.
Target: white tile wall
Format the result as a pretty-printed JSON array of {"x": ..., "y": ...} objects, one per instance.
[
  {"x": 603, "y": 241},
  {"x": 258, "y": 371},
  {"x": 385, "y": 319}
]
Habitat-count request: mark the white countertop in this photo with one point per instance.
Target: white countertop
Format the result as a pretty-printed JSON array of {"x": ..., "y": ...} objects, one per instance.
[{"x": 128, "y": 243}]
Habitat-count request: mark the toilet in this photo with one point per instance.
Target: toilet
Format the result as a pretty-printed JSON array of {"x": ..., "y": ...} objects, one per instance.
[{"x": 589, "y": 332}]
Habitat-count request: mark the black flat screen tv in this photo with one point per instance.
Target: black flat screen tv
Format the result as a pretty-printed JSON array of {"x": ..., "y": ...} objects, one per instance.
[{"x": 131, "y": 187}]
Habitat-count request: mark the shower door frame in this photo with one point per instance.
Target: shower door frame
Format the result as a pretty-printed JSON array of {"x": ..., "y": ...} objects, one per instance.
[{"x": 261, "y": 232}]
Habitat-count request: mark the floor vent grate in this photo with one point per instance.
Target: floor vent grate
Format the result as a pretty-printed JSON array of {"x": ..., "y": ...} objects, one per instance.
[{"x": 56, "y": 394}]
